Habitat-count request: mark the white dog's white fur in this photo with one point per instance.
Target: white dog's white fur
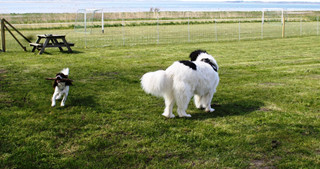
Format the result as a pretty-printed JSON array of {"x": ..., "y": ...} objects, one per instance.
[
  {"x": 61, "y": 88},
  {"x": 182, "y": 80}
]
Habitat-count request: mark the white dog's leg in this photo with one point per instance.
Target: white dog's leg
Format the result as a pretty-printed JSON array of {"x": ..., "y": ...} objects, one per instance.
[
  {"x": 56, "y": 92},
  {"x": 59, "y": 96},
  {"x": 183, "y": 98},
  {"x": 169, "y": 101},
  {"x": 64, "y": 99},
  {"x": 207, "y": 102},
  {"x": 197, "y": 101},
  {"x": 65, "y": 96}
]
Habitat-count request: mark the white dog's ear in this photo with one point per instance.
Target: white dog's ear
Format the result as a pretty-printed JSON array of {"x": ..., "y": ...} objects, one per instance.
[
  {"x": 194, "y": 55},
  {"x": 65, "y": 71}
]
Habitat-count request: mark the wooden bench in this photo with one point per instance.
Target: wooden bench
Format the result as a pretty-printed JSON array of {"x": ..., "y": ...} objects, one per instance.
[
  {"x": 51, "y": 41},
  {"x": 51, "y": 45}
]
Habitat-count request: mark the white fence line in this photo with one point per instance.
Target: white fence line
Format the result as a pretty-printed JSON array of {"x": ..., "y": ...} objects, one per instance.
[{"x": 190, "y": 28}]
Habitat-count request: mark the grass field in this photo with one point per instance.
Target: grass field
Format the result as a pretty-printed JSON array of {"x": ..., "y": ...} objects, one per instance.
[{"x": 267, "y": 109}]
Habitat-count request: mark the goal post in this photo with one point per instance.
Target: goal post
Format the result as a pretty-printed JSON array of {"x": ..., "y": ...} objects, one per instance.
[
  {"x": 86, "y": 19},
  {"x": 273, "y": 21},
  {"x": 272, "y": 14}
]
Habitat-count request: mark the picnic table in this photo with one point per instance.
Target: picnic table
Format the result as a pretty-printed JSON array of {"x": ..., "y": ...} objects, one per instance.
[{"x": 51, "y": 41}]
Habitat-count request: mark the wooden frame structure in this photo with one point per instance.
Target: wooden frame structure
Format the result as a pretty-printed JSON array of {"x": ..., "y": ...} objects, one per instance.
[
  {"x": 3, "y": 35},
  {"x": 50, "y": 42}
]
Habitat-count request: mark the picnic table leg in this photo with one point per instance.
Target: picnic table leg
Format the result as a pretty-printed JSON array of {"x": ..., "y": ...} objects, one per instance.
[
  {"x": 34, "y": 47},
  {"x": 55, "y": 41},
  {"x": 44, "y": 45},
  {"x": 67, "y": 45}
]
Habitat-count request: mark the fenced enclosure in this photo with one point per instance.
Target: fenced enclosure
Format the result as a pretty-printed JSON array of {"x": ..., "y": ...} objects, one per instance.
[{"x": 144, "y": 28}]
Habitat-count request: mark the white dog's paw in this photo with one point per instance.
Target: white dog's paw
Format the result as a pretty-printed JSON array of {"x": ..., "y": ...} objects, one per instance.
[
  {"x": 62, "y": 104},
  {"x": 168, "y": 115},
  {"x": 199, "y": 107},
  {"x": 185, "y": 115},
  {"x": 210, "y": 110},
  {"x": 53, "y": 104}
]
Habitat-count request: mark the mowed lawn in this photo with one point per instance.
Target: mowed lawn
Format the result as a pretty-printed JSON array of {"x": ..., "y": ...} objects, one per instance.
[{"x": 267, "y": 109}]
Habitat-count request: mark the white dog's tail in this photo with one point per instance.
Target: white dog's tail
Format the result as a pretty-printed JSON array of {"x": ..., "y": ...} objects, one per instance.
[
  {"x": 65, "y": 71},
  {"x": 156, "y": 83}
]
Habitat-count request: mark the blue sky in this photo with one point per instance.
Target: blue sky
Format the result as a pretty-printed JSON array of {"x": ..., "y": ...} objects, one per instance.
[
  {"x": 259, "y": 0},
  {"x": 59, "y": 6},
  {"x": 53, "y": 1}
]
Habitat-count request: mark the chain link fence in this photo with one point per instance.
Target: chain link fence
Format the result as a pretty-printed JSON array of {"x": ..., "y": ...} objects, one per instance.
[{"x": 153, "y": 28}]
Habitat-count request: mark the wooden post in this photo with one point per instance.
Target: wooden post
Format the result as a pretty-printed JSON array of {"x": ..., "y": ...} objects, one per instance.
[
  {"x": 24, "y": 48},
  {"x": 5, "y": 21},
  {"x": 3, "y": 37},
  {"x": 283, "y": 27}
]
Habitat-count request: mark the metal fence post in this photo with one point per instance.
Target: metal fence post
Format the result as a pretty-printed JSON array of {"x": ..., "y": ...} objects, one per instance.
[
  {"x": 317, "y": 25},
  {"x": 158, "y": 34},
  {"x": 262, "y": 23},
  {"x": 239, "y": 30},
  {"x": 102, "y": 21},
  {"x": 300, "y": 25},
  {"x": 215, "y": 29},
  {"x": 188, "y": 27},
  {"x": 283, "y": 27},
  {"x": 123, "y": 34}
]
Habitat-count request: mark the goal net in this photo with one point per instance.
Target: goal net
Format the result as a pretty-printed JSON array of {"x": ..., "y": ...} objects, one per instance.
[
  {"x": 87, "y": 19},
  {"x": 272, "y": 23},
  {"x": 272, "y": 15}
]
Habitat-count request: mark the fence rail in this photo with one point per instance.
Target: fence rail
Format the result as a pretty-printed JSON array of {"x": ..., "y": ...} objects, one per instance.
[{"x": 126, "y": 29}]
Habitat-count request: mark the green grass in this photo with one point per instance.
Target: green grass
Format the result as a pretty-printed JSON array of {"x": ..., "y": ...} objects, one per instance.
[{"x": 267, "y": 109}]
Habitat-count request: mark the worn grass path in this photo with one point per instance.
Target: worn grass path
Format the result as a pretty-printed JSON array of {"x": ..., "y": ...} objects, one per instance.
[{"x": 267, "y": 109}]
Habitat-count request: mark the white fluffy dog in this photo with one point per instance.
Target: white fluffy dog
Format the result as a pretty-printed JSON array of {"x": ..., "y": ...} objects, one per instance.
[
  {"x": 182, "y": 80},
  {"x": 61, "y": 86}
]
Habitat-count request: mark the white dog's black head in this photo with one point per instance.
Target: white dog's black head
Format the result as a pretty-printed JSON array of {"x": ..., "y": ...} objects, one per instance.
[
  {"x": 194, "y": 55},
  {"x": 202, "y": 55}
]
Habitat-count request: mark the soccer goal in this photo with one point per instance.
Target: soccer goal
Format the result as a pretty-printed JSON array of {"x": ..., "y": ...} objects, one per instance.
[
  {"x": 272, "y": 22},
  {"x": 87, "y": 19},
  {"x": 272, "y": 15}
]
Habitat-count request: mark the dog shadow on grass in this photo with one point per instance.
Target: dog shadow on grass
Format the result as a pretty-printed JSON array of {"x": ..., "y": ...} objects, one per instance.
[{"x": 230, "y": 109}]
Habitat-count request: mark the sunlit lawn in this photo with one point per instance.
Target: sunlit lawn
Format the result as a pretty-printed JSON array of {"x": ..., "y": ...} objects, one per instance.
[{"x": 267, "y": 108}]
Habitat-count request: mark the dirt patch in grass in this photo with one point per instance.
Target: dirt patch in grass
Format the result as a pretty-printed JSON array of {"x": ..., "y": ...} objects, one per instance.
[
  {"x": 270, "y": 84},
  {"x": 264, "y": 109},
  {"x": 264, "y": 163},
  {"x": 108, "y": 75},
  {"x": 2, "y": 71},
  {"x": 314, "y": 76},
  {"x": 258, "y": 164}
]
